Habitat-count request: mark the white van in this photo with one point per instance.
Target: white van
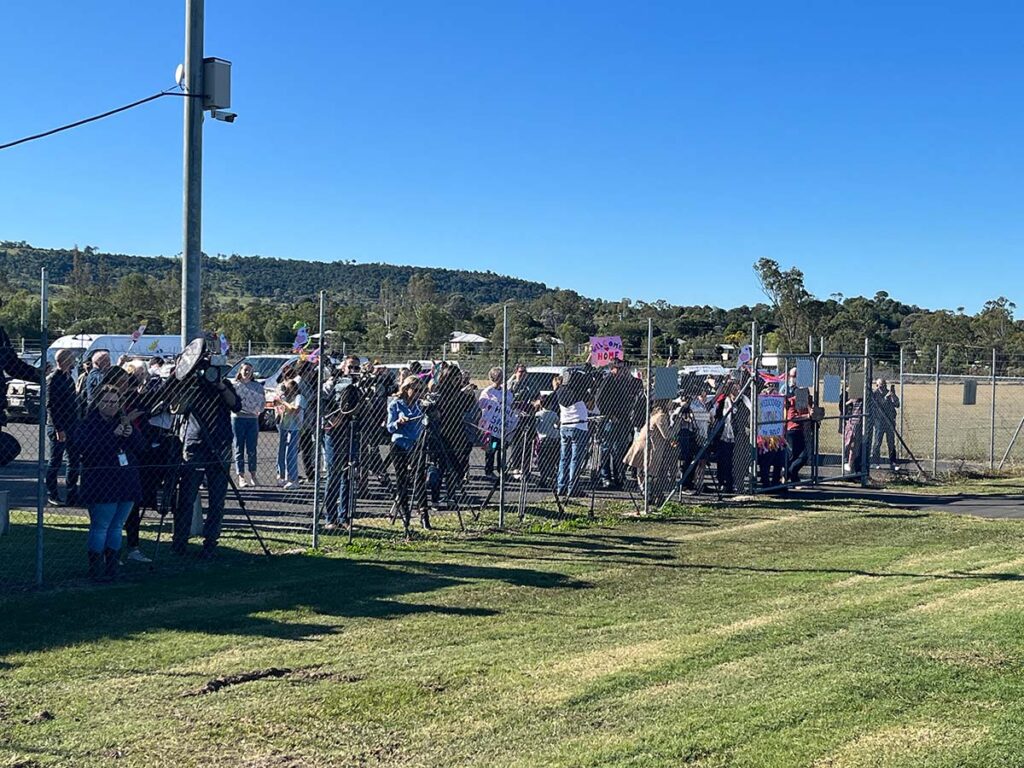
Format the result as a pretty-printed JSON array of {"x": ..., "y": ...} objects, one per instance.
[{"x": 84, "y": 344}]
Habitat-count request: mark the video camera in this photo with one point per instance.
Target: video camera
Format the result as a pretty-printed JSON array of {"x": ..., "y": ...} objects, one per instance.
[{"x": 198, "y": 363}]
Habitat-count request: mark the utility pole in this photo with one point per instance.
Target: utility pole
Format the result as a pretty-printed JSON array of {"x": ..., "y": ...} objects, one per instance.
[{"x": 192, "y": 202}]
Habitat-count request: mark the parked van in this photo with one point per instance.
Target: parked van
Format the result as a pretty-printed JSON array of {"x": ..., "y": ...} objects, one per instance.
[{"x": 85, "y": 344}]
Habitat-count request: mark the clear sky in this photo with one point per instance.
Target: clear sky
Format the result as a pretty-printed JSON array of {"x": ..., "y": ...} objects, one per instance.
[{"x": 640, "y": 149}]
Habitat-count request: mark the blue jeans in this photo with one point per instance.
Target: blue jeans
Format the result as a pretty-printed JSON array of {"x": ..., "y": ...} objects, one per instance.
[
  {"x": 341, "y": 449},
  {"x": 246, "y": 430},
  {"x": 288, "y": 454},
  {"x": 573, "y": 451},
  {"x": 105, "y": 524}
]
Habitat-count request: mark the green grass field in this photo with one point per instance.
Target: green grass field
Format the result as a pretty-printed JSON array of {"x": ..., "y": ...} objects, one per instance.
[{"x": 767, "y": 634}]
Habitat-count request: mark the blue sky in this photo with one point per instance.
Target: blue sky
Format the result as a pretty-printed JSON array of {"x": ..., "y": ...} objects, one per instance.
[{"x": 647, "y": 150}]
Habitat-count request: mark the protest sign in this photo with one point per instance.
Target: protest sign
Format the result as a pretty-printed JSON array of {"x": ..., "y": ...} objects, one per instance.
[
  {"x": 605, "y": 349},
  {"x": 490, "y": 415},
  {"x": 771, "y": 413}
]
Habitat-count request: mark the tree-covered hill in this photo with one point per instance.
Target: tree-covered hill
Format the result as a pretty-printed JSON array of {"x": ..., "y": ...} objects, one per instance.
[{"x": 281, "y": 280}]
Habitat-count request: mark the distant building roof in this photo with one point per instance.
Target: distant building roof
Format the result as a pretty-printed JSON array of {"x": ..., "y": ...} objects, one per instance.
[{"x": 458, "y": 337}]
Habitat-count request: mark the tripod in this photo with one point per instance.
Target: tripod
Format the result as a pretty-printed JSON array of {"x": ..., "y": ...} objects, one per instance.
[{"x": 173, "y": 493}]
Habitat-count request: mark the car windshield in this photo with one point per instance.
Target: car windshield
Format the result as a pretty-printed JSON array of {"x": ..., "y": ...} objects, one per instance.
[{"x": 263, "y": 367}]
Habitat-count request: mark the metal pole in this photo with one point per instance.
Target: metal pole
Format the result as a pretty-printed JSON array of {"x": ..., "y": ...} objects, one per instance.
[
  {"x": 647, "y": 422},
  {"x": 318, "y": 428},
  {"x": 752, "y": 436},
  {"x": 903, "y": 403},
  {"x": 935, "y": 431},
  {"x": 810, "y": 344},
  {"x": 192, "y": 201},
  {"x": 44, "y": 341},
  {"x": 501, "y": 443},
  {"x": 866, "y": 421},
  {"x": 248, "y": 352},
  {"x": 992, "y": 428}
]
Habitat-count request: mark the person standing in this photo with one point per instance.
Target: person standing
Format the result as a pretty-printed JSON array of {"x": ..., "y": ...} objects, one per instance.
[
  {"x": 62, "y": 409},
  {"x": 245, "y": 425},
  {"x": 492, "y": 399},
  {"x": 110, "y": 478},
  {"x": 573, "y": 432},
  {"x": 343, "y": 397},
  {"x": 14, "y": 366},
  {"x": 404, "y": 424},
  {"x": 206, "y": 455},
  {"x": 617, "y": 397},
  {"x": 884, "y": 404},
  {"x": 97, "y": 375},
  {"x": 797, "y": 416},
  {"x": 290, "y": 410}
]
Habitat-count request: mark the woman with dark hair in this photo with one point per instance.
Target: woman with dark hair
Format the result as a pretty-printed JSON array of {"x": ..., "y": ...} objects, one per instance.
[{"x": 110, "y": 484}]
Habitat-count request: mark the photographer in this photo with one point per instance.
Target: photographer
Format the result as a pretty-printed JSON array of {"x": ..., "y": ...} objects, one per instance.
[
  {"x": 207, "y": 443},
  {"x": 343, "y": 398},
  {"x": 13, "y": 366}
]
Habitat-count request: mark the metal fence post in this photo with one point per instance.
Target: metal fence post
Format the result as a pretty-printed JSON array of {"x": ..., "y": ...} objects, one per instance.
[
  {"x": 992, "y": 429},
  {"x": 504, "y": 390},
  {"x": 44, "y": 342},
  {"x": 647, "y": 422},
  {"x": 318, "y": 426},
  {"x": 935, "y": 430},
  {"x": 903, "y": 403},
  {"x": 867, "y": 425},
  {"x": 755, "y": 359}
]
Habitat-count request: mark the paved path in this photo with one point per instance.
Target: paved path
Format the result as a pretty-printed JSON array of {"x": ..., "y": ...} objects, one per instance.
[{"x": 1008, "y": 505}]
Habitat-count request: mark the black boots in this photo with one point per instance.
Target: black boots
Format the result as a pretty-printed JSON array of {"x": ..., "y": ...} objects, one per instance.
[
  {"x": 95, "y": 565},
  {"x": 103, "y": 565},
  {"x": 112, "y": 560}
]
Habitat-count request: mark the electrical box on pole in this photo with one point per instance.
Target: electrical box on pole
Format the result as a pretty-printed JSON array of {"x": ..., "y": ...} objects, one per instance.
[{"x": 216, "y": 83}]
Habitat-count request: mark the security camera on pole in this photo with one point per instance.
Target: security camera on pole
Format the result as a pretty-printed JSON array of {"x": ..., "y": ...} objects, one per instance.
[{"x": 207, "y": 85}]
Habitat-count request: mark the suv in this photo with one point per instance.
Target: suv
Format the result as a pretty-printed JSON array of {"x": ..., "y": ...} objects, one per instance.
[{"x": 23, "y": 396}]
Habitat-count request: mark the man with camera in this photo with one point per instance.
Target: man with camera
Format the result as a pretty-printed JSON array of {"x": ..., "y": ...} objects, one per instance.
[
  {"x": 341, "y": 442},
  {"x": 13, "y": 366},
  {"x": 207, "y": 400}
]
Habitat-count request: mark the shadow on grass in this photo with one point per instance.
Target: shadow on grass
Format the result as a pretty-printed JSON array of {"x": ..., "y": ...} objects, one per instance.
[
  {"x": 241, "y": 593},
  {"x": 952, "y": 576}
]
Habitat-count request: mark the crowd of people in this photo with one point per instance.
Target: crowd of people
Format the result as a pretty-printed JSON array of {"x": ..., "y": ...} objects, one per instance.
[{"x": 131, "y": 437}]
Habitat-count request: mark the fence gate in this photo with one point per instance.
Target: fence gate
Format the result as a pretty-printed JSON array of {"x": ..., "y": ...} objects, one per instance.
[{"x": 833, "y": 391}]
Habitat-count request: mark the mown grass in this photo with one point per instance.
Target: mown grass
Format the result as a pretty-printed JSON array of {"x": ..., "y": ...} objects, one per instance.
[{"x": 761, "y": 634}]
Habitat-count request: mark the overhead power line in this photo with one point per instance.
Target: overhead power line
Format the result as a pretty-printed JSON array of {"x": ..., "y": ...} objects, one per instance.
[{"x": 94, "y": 118}]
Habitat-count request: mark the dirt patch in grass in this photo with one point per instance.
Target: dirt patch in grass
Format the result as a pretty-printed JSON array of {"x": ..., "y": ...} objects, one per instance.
[{"x": 220, "y": 683}]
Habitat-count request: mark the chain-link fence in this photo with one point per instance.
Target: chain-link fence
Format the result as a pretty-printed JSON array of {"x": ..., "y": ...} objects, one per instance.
[{"x": 133, "y": 463}]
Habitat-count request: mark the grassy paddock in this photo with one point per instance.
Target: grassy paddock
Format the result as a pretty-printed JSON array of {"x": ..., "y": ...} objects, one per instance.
[{"x": 768, "y": 634}]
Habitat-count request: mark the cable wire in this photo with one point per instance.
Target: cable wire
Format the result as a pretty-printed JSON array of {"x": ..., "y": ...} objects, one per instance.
[{"x": 92, "y": 119}]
